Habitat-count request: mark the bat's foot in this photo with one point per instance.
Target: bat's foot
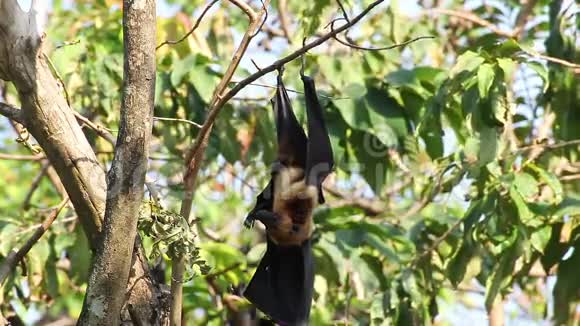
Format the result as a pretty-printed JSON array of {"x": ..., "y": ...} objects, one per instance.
[{"x": 249, "y": 223}]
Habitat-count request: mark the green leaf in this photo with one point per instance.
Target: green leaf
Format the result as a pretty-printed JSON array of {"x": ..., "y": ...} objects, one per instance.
[
  {"x": 80, "y": 260},
  {"x": 256, "y": 253},
  {"x": 488, "y": 145},
  {"x": 551, "y": 180},
  {"x": 569, "y": 206},
  {"x": 182, "y": 68},
  {"x": 526, "y": 185},
  {"x": 539, "y": 238},
  {"x": 507, "y": 48},
  {"x": 311, "y": 16},
  {"x": 502, "y": 273},
  {"x": 485, "y": 76},
  {"x": 468, "y": 61},
  {"x": 508, "y": 66},
  {"x": 542, "y": 71},
  {"x": 457, "y": 266},
  {"x": 354, "y": 110},
  {"x": 204, "y": 80},
  {"x": 525, "y": 214},
  {"x": 221, "y": 255},
  {"x": 382, "y": 247},
  {"x": 329, "y": 246},
  {"x": 471, "y": 149}
]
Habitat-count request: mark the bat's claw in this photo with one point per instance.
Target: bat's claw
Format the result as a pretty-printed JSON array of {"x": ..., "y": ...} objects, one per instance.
[{"x": 249, "y": 223}]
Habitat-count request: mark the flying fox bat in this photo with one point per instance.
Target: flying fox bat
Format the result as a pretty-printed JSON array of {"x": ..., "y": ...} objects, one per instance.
[{"x": 283, "y": 282}]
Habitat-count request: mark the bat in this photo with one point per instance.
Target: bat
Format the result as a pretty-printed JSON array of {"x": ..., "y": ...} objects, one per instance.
[{"x": 283, "y": 283}]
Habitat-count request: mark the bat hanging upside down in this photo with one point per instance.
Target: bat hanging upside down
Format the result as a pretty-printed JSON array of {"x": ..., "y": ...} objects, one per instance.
[{"x": 283, "y": 283}]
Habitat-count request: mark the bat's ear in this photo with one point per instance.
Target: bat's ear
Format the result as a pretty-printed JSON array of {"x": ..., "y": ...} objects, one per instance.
[
  {"x": 320, "y": 161},
  {"x": 292, "y": 141}
]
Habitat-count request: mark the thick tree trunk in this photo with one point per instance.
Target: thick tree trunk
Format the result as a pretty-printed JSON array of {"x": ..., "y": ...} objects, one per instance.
[
  {"x": 126, "y": 179},
  {"x": 47, "y": 116}
]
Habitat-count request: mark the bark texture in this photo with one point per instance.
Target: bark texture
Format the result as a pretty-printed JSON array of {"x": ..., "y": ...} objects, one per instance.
[
  {"x": 126, "y": 179},
  {"x": 47, "y": 116},
  {"x": 49, "y": 119}
]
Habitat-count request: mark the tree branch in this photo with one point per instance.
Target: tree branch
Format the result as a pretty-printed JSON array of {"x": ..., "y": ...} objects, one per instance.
[
  {"x": 34, "y": 185},
  {"x": 575, "y": 67},
  {"x": 14, "y": 257},
  {"x": 18, "y": 157},
  {"x": 358, "y": 47},
  {"x": 11, "y": 112},
  {"x": 369, "y": 206},
  {"x": 197, "y": 22},
  {"x": 283, "y": 17},
  {"x": 193, "y": 158},
  {"x": 252, "y": 16},
  {"x": 472, "y": 18},
  {"x": 524, "y": 14},
  {"x": 197, "y": 125},
  {"x": 193, "y": 162}
]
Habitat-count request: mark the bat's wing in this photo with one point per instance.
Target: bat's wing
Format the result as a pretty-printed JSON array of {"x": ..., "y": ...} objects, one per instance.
[
  {"x": 292, "y": 141},
  {"x": 320, "y": 160},
  {"x": 264, "y": 203},
  {"x": 282, "y": 285}
]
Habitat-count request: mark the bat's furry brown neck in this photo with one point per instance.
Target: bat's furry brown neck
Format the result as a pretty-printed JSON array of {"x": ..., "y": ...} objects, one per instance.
[{"x": 294, "y": 202}]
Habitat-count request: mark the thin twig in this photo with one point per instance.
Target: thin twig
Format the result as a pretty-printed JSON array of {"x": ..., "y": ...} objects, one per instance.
[
  {"x": 251, "y": 99},
  {"x": 14, "y": 257},
  {"x": 58, "y": 77},
  {"x": 265, "y": 11},
  {"x": 523, "y": 16},
  {"x": 210, "y": 234},
  {"x": 371, "y": 207},
  {"x": 197, "y": 22},
  {"x": 287, "y": 89},
  {"x": 223, "y": 271},
  {"x": 60, "y": 46},
  {"x": 571, "y": 177},
  {"x": 543, "y": 132},
  {"x": 255, "y": 64},
  {"x": 437, "y": 242},
  {"x": 100, "y": 130},
  {"x": 35, "y": 226},
  {"x": 246, "y": 9},
  {"x": 105, "y": 134},
  {"x": 575, "y": 67},
  {"x": 390, "y": 47},
  {"x": 178, "y": 120},
  {"x": 19, "y": 157},
  {"x": 283, "y": 16},
  {"x": 344, "y": 14},
  {"x": 34, "y": 185},
  {"x": 472, "y": 18},
  {"x": 418, "y": 206},
  {"x": 550, "y": 146}
]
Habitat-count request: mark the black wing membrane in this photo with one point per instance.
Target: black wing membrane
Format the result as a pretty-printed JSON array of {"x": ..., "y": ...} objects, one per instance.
[
  {"x": 320, "y": 158},
  {"x": 283, "y": 283},
  {"x": 264, "y": 204},
  {"x": 292, "y": 141}
]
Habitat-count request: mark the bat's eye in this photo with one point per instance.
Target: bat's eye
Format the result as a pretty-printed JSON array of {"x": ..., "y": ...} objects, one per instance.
[{"x": 295, "y": 227}]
